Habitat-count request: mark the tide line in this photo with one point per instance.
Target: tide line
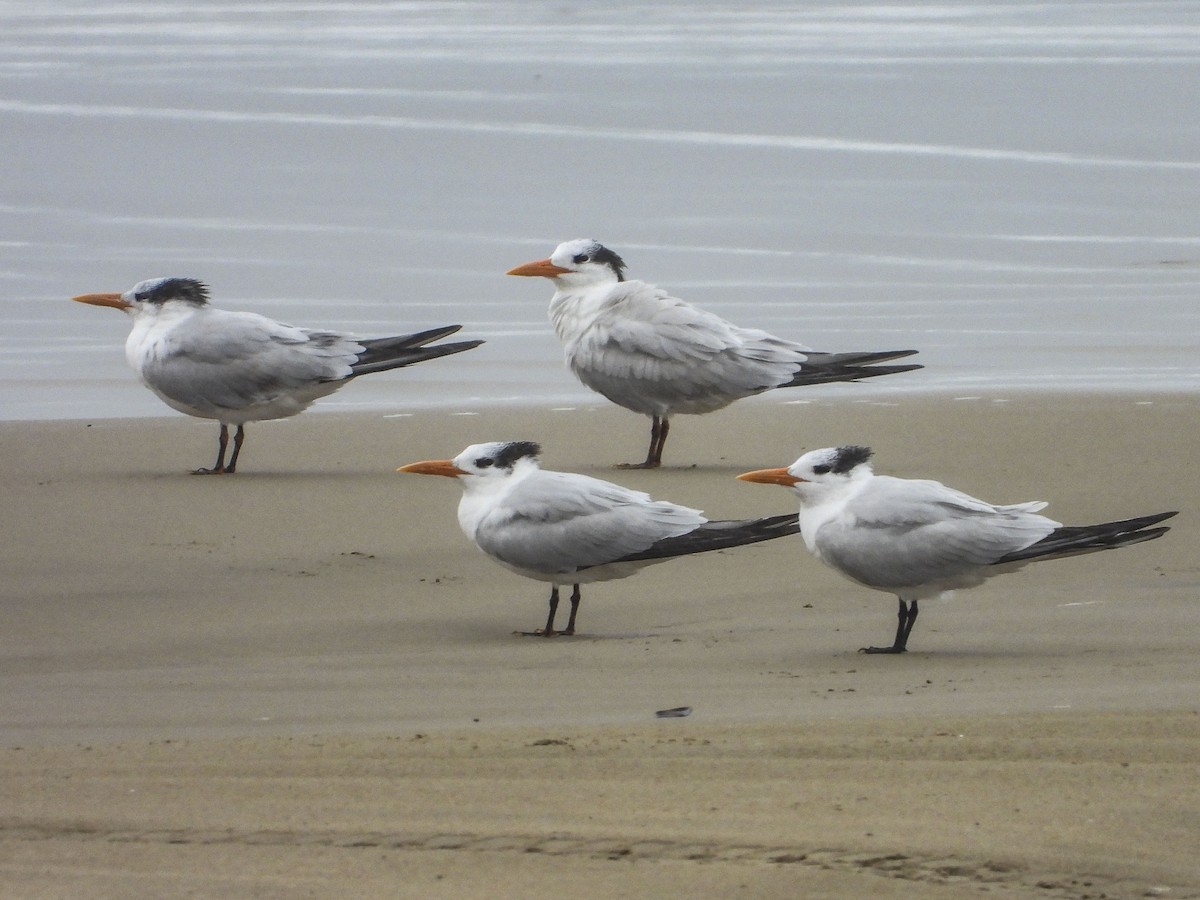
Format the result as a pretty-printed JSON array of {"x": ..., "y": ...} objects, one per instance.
[{"x": 639, "y": 135}]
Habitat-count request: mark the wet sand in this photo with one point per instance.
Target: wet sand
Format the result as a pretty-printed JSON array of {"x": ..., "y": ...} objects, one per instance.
[{"x": 303, "y": 680}]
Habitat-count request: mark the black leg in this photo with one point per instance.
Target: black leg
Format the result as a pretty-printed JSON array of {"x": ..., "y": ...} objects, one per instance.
[
  {"x": 912, "y": 618},
  {"x": 575, "y": 598},
  {"x": 663, "y": 427},
  {"x": 237, "y": 448},
  {"x": 659, "y": 426},
  {"x": 222, "y": 443},
  {"x": 905, "y": 616},
  {"x": 549, "y": 631}
]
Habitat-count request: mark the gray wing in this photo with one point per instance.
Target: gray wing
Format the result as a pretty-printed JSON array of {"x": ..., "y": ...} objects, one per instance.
[
  {"x": 561, "y": 522},
  {"x": 647, "y": 349},
  {"x": 234, "y": 360},
  {"x": 900, "y": 532}
]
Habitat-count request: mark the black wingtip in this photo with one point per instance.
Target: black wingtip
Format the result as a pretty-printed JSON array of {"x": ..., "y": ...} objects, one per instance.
[
  {"x": 382, "y": 354},
  {"x": 857, "y": 357},
  {"x": 720, "y": 535},
  {"x": 1152, "y": 520},
  {"x": 1073, "y": 540},
  {"x": 421, "y": 338},
  {"x": 824, "y": 368}
]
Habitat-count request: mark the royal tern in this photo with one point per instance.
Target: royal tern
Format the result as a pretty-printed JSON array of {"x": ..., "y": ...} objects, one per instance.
[
  {"x": 659, "y": 356},
  {"x": 565, "y": 528},
  {"x": 239, "y": 367},
  {"x": 918, "y": 539}
]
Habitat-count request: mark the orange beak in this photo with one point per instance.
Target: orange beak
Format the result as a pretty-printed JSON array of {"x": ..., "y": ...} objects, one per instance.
[
  {"x": 542, "y": 267},
  {"x": 770, "y": 476},
  {"x": 113, "y": 300},
  {"x": 433, "y": 467}
]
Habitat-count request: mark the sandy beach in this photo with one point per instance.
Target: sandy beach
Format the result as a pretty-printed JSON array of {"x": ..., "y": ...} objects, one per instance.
[{"x": 304, "y": 681}]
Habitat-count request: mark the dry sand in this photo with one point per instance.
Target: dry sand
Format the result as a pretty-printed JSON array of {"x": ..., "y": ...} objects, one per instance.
[{"x": 303, "y": 681}]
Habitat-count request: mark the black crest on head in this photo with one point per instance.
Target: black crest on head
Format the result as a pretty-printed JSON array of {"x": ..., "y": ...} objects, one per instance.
[
  {"x": 846, "y": 458},
  {"x": 188, "y": 290},
  {"x": 603, "y": 255},
  {"x": 508, "y": 455}
]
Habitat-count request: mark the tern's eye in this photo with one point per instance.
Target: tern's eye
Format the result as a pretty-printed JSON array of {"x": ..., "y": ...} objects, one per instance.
[
  {"x": 484, "y": 462},
  {"x": 580, "y": 258},
  {"x": 141, "y": 295},
  {"x": 822, "y": 469}
]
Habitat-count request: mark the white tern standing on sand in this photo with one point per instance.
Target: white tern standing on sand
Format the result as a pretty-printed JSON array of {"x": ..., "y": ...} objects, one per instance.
[
  {"x": 917, "y": 539},
  {"x": 659, "y": 356},
  {"x": 239, "y": 367},
  {"x": 565, "y": 528}
]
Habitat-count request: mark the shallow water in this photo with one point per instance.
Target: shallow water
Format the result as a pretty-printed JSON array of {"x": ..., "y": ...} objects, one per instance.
[{"x": 1011, "y": 188}]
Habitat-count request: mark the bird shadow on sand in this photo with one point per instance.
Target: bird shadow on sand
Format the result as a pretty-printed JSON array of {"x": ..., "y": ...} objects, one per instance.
[
  {"x": 590, "y": 636},
  {"x": 997, "y": 653},
  {"x": 250, "y": 476}
]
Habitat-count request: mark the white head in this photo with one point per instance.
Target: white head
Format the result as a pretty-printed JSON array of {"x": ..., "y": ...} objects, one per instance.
[
  {"x": 818, "y": 473},
  {"x": 482, "y": 464},
  {"x": 152, "y": 295},
  {"x": 577, "y": 263}
]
